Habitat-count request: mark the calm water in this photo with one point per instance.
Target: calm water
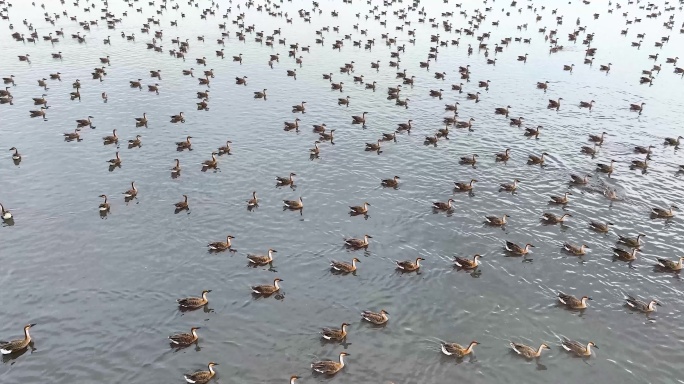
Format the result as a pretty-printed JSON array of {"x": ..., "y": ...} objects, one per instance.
[{"x": 103, "y": 291}]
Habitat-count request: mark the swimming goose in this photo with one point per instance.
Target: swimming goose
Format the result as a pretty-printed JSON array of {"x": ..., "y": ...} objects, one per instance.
[
  {"x": 670, "y": 265},
  {"x": 585, "y": 104},
  {"x": 666, "y": 213},
  {"x": 343, "y": 101},
  {"x": 465, "y": 124},
  {"x": 360, "y": 119},
  {"x": 575, "y": 179},
  {"x": 510, "y": 187},
  {"x": 136, "y": 84},
  {"x": 605, "y": 168},
  {"x": 443, "y": 206},
  {"x": 343, "y": 266},
  {"x": 456, "y": 350},
  {"x": 113, "y": 139},
  {"x": 517, "y": 122},
  {"x": 404, "y": 126},
  {"x": 467, "y": 263},
  {"x": 254, "y": 201},
  {"x": 544, "y": 85},
  {"x": 533, "y": 159},
  {"x": 527, "y": 351},
  {"x": 568, "y": 67},
  {"x": 515, "y": 248},
  {"x": 377, "y": 318},
  {"x": 389, "y": 136},
  {"x": 572, "y": 302},
  {"x": 260, "y": 95},
  {"x": 40, "y": 100},
  {"x": 393, "y": 182},
  {"x": 463, "y": 187},
  {"x": 408, "y": 265},
  {"x": 299, "y": 107},
  {"x": 194, "y": 302},
  {"x": 632, "y": 242},
  {"x": 560, "y": 199},
  {"x": 225, "y": 149},
  {"x": 496, "y": 220},
  {"x": 267, "y": 289},
  {"x": 469, "y": 159},
  {"x": 141, "y": 121},
  {"x": 71, "y": 136},
  {"x": 373, "y": 146},
  {"x": 333, "y": 334},
  {"x": 221, "y": 245},
  {"x": 80, "y": 123},
  {"x": 459, "y": 87},
  {"x": 315, "y": 151},
  {"x": 182, "y": 145},
  {"x": 329, "y": 367},
  {"x": 131, "y": 193},
  {"x": 555, "y": 103},
  {"x": 104, "y": 206},
  {"x": 435, "y": 93},
  {"x": 575, "y": 250},
  {"x": 179, "y": 118},
  {"x": 474, "y": 96},
  {"x": 330, "y": 136},
  {"x": 637, "y": 107},
  {"x": 502, "y": 111},
  {"x": 184, "y": 339},
  {"x": 336, "y": 86},
  {"x": 319, "y": 128},
  {"x": 674, "y": 142},
  {"x": 357, "y": 243},
  {"x": 8, "y": 80},
  {"x": 553, "y": 219},
  {"x": 211, "y": 164},
  {"x": 600, "y": 227},
  {"x": 642, "y": 306},
  {"x": 261, "y": 259},
  {"x": 529, "y": 132},
  {"x": 286, "y": 180},
  {"x": 640, "y": 164},
  {"x": 589, "y": 150},
  {"x": 643, "y": 150},
  {"x": 293, "y": 204},
  {"x": 360, "y": 209},
  {"x": 577, "y": 348},
  {"x": 182, "y": 205},
  {"x": 9, "y": 347},
  {"x": 201, "y": 377},
  {"x": 293, "y": 125},
  {"x": 292, "y": 73},
  {"x": 15, "y": 156},
  {"x": 505, "y": 156},
  {"x": 598, "y": 139},
  {"x": 621, "y": 254}
]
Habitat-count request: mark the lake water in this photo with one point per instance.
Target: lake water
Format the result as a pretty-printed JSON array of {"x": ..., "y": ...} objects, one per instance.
[{"x": 102, "y": 290}]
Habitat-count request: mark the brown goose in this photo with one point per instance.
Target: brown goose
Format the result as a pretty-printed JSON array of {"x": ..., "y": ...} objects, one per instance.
[
  {"x": 589, "y": 150},
  {"x": 527, "y": 351},
  {"x": 135, "y": 142},
  {"x": 465, "y": 124},
  {"x": 18, "y": 345},
  {"x": 201, "y": 377},
  {"x": 293, "y": 204},
  {"x": 575, "y": 250},
  {"x": 673, "y": 142},
  {"x": 641, "y": 306},
  {"x": 632, "y": 242},
  {"x": 550, "y": 218},
  {"x": 463, "y": 187},
  {"x": 115, "y": 162},
  {"x": 261, "y": 259},
  {"x": 343, "y": 266},
  {"x": 637, "y": 107},
  {"x": 392, "y": 183},
  {"x": 643, "y": 150},
  {"x": 532, "y": 159},
  {"x": 333, "y": 334},
  {"x": 467, "y": 263},
  {"x": 182, "y": 145},
  {"x": 377, "y": 318},
  {"x": 555, "y": 104},
  {"x": 104, "y": 206},
  {"x": 408, "y": 265},
  {"x": 286, "y": 180},
  {"x": 575, "y": 179},
  {"x": 113, "y": 139},
  {"x": 505, "y": 156},
  {"x": 254, "y": 201},
  {"x": 131, "y": 193},
  {"x": 509, "y": 187},
  {"x": 621, "y": 254},
  {"x": 577, "y": 348},
  {"x": 469, "y": 159},
  {"x": 670, "y": 265},
  {"x": 194, "y": 302},
  {"x": 529, "y": 132},
  {"x": 179, "y": 118},
  {"x": 572, "y": 302},
  {"x": 474, "y": 96},
  {"x": 267, "y": 289},
  {"x": 544, "y": 85},
  {"x": 517, "y": 122},
  {"x": 260, "y": 95},
  {"x": 141, "y": 121},
  {"x": 502, "y": 111},
  {"x": 605, "y": 168},
  {"x": 373, "y": 146},
  {"x": 585, "y": 104},
  {"x": 600, "y": 227},
  {"x": 496, "y": 220},
  {"x": 456, "y": 350},
  {"x": 560, "y": 199},
  {"x": 185, "y": 339},
  {"x": 293, "y": 125},
  {"x": 598, "y": 139},
  {"x": 404, "y": 126},
  {"x": 360, "y": 209},
  {"x": 225, "y": 149},
  {"x": 221, "y": 245},
  {"x": 182, "y": 205},
  {"x": 80, "y": 123},
  {"x": 663, "y": 213},
  {"x": 515, "y": 248},
  {"x": 443, "y": 206},
  {"x": 360, "y": 119},
  {"x": 299, "y": 108},
  {"x": 357, "y": 243},
  {"x": 211, "y": 164},
  {"x": 329, "y": 367}
]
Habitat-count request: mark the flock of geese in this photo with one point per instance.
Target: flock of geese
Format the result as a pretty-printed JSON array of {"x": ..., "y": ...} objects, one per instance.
[{"x": 629, "y": 246}]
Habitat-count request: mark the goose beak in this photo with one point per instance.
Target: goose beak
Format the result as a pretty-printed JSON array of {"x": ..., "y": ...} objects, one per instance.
[{"x": 32, "y": 325}]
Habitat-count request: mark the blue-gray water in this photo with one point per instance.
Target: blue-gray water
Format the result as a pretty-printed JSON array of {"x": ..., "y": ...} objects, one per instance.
[{"x": 103, "y": 291}]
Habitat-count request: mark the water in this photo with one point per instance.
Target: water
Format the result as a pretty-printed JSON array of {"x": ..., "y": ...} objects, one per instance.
[{"x": 103, "y": 290}]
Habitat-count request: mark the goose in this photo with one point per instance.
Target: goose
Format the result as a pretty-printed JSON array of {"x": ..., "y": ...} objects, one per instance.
[
  {"x": 360, "y": 119},
  {"x": 474, "y": 96},
  {"x": 669, "y": 264},
  {"x": 211, "y": 164},
  {"x": 179, "y": 118},
  {"x": 544, "y": 85},
  {"x": 510, "y": 187},
  {"x": 6, "y": 93},
  {"x": 225, "y": 149},
  {"x": 293, "y": 125},
  {"x": 517, "y": 122},
  {"x": 103, "y": 95},
  {"x": 299, "y": 108},
  {"x": 641, "y": 306},
  {"x": 202, "y": 61},
  {"x": 443, "y": 206},
  {"x": 153, "y": 88},
  {"x": 377, "y": 318},
  {"x": 484, "y": 84},
  {"x": 459, "y": 87},
  {"x": 529, "y": 132},
  {"x": 330, "y": 136},
  {"x": 456, "y": 350},
  {"x": 554, "y": 103},
  {"x": 329, "y": 367},
  {"x": 560, "y": 199},
  {"x": 637, "y": 107},
  {"x": 496, "y": 220},
  {"x": 443, "y": 132},
  {"x": 673, "y": 142},
  {"x": 450, "y": 107},
  {"x": 643, "y": 150},
  {"x": 389, "y": 136},
  {"x": 503, "y": 156},
  {"x": 360, "y": 209},
  {"x": 553, "y": 219},
  {"x": 585, "y": 104},
  {"x": 261, "y": 259},
  {"x": 238, "y": 58},
  {"x": 502, "y": 111},
  {"x": 572, "y": 302},
  {"x": 267, "y": 289},
  {"x": 293, "y": 204},
  {"x": 515, "y": 248},
  {"x": 577, "y": 348},
  {"x": 182, "y": 145},
  {"x": 84, "y": 122},
  {"x": 660, "y": 212},
  {"x": 131, "y": 193},
  {"x": 141, "y": 121},
  {"x": 328, "y": 76},
  {"x": 14, "y": 346},
  {"x": 605, "y": 68},
  {"x": 632, "y": 242},
  {"x": 590, "y": 150},
  {"x": 408, "y": 265},
  {"x": 40, "y": 100},
  {"x": 373, "y": 146},
  {"x": 343, "y": 101},
  {"x": 343, "y": 266},
  {"x": 182, "y": 205},
  {"x": 201, "y": 377},
  {"x": 371, "y": 85},
  {"x": 600, "y": 227},
  {"x": 104, "y": 60},
  {"x": 113, "y": 139},
  {"x": 640, "y": 164},
  {"x": 318, "y": 128},
  {"x": 116, "y": 161},
  {"x": 467, "y": 263},
  {"x": 357, "y": 243},
  {"x": 575, "y": 250},
  {"x": 527, "y": 351},
  {"x": 465, "y": 124},
  {"x": 404, "y": 126},
  {"x": 672, "y": 60},
  {"x": 136, "y": 84},
  {"x": 465, "y": 186},
  {"x": 8, "y": 80},
  {"x": 469, "y": 159},
  {"x": 575, "y": 179},
  {"x": 598, "y": 139},
  {"x": 336, "y": 86},
  {"x": 71, "y": 136},
  {"x": 568, "y": 67},
  {"x": 286, "y": 180},
  {"x": 188, "y": 72},
  {"x": 15, "y": 156},
  {"x": 333, "y": 334},
  {"x": 621, "y": 254},
  {"x": 392, "y": 183},
  {"x": 435, "y": 93},
  {"x": 184, "y": 339},
  {"x": 221, "y": 245},
  {"x": 532, "y": 159},
  {"x": 194, "y": 302},
  {"x": 260, "y": 95},
  {"x": 292, "y": 73},
  {"x": 605, "y": 168},
  {"x": 25, "y": 58}
]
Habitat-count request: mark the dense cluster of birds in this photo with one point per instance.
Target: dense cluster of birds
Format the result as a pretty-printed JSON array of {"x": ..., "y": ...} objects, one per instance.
[{"x": 628, "y": 246}]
